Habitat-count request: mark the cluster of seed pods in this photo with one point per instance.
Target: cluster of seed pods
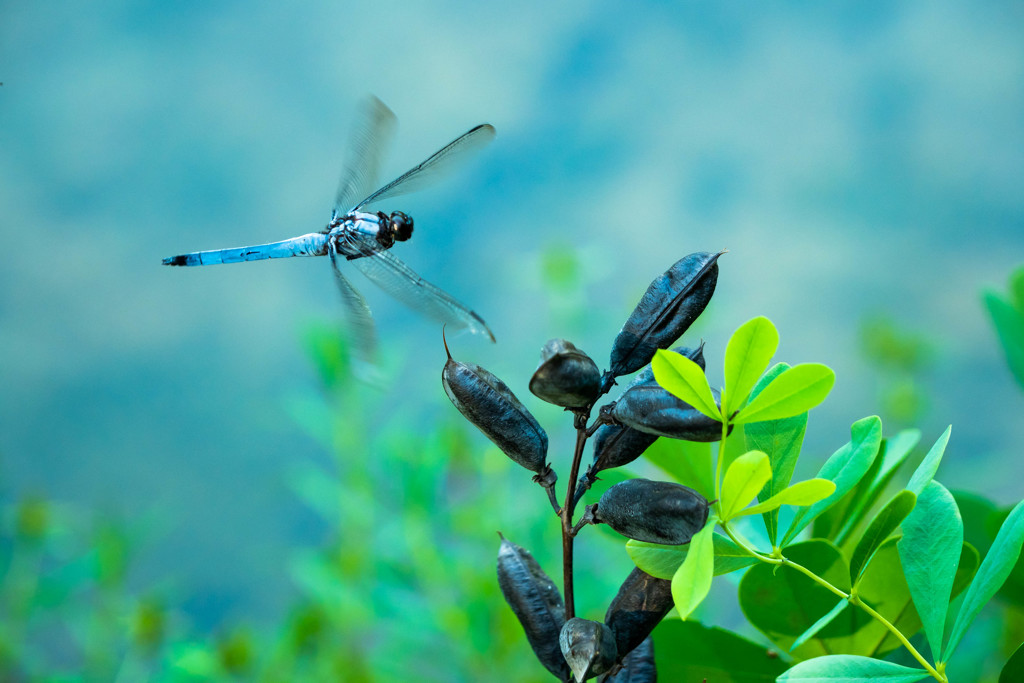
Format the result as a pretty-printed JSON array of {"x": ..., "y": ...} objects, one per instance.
[{"x": 620, "y": 648}]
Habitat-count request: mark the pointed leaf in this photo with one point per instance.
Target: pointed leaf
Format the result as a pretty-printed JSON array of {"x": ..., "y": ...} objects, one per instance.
[
  {"x": 795, "y": 391},
  {"x": 747, "y": 355},
  {"x": 845, "y": 468},
  {"x": 991, "y": 574},
  {"x": 819, "y": 624},
  {"x": 851, "y": 669},
  {"x": 685, "y": 380},
  {"x": 745, "y": 477},
  {"x": 801, "y": 493},
  {"x": 894, "y": 452},
  {"x": 692, "y": 580},
  {"x": 930, "y": 465},
  {"x": 930, "y": 552},
  {"x": 881, "y": 527}
]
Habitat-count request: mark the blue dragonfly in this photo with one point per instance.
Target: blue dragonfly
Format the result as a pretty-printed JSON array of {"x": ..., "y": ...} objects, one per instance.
[{"x": 363, "y": 238}]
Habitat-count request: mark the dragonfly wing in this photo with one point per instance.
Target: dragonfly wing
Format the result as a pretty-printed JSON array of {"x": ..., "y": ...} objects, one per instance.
[
  {"x": 437, "y": 166},
  {"x": 401, "y": 282},
  {"x": 362, "y": 332},
  {"x": 371, "y": 136}
]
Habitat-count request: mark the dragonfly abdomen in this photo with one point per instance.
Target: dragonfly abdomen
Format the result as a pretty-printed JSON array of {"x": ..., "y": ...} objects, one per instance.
[{"x": 313, "y": 244}]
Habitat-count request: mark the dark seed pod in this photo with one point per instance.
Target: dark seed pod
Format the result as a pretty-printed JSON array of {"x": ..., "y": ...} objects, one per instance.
[
  {"x": 488, "y": 403},
  {"x": 637, "y": 667},
  {"x": 649, "y": 408},
  {"x": 672, "y": 302},
  {"x": 566, "y": 376},
  {"x": 537, "y": 604},
  {"x": 588, "y": 646},
  {"x": 640, "y": 605},
  {"x": 618, "y": 445},
  {"x": 645, "y": 406},
  {"x": 653, "y": 511}
]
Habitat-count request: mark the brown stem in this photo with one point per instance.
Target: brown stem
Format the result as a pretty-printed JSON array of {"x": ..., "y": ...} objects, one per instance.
[{"x": 567, "y": 527}]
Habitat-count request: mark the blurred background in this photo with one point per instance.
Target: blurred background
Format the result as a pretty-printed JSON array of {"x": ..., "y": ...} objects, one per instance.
[{"x": 187, "y": 442}]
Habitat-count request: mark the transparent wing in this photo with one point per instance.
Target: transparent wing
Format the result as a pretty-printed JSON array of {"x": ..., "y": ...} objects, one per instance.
[
  {"x": 437, "y": 166},
  {"x": 401, "y": 282},
  {"x": 362, "y": 332},
  {"x": 371, "y": 136}
]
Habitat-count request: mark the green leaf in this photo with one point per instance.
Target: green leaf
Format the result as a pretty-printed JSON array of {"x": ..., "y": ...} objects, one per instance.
[
  {"x": 930, "y": 465},
  {"x": 1013, "y": 670},
  {"x": 851, "y": 669},
  {"x": 993, "y": 571},
  {"x": 781, "y": 441},
  {"x": 1009, "y": 323},
  {"x": 692, "y": 581},
  {"x": 801, "y": 493},
  {"x": 845, "y": 468},
  {"x": 982, "y": 519},
  {"x": 933, "y": 535},
  {"x": 847, "y": 518},
  {"x": 819, "y": 624},
  {"x": 685, "y": 380},
  {"x": 885, "y": 522},
  {"x": 745, "y": 477},
  {"x": 690, "y": 651},
  {"x": 662, "y": 561},
  {"x": 687, "y": 462},
  {"x": 747, "y": 355},
  {"x": 783, "y": 603},
  {"x": 794, "y": 391}
]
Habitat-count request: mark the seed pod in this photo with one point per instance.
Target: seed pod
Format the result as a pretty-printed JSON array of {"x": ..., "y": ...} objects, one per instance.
[
  {"x": 566, "y": 376},
  {"x": 653, "y": 511},
  {"x": 537, "y": 604},
  {"x": 647, "y": 407},
  {"x": 638, "y": 666},
  {"x": 644, "y": 405},
  {"x": 672, "y": 302},
  {"x": 588, "y": 646},
  {"x": 488, "y": 403},
  {"x": 618, "y": 445},
  {"x": 640, "y": 605}
]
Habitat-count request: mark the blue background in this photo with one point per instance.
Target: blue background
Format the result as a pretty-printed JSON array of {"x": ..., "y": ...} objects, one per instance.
[{"x": 856, "y": 159}]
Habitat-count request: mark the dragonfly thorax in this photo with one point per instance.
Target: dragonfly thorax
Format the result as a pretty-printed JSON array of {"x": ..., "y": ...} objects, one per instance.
[{"x": 396, "y": 228}]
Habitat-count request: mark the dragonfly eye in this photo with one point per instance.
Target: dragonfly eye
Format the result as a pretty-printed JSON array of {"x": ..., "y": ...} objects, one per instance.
[{"x": 401, "y": 226}]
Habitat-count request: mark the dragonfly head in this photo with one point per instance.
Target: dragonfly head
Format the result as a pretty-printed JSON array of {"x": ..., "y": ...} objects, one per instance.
[{"x": 400, "y": 225}]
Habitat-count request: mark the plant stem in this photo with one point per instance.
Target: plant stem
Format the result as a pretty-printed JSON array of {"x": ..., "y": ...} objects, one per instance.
[
  {"x": 851, "y": 598},
  {"x": 718, "y": 464},
  {"x": 567, "y": 526}
]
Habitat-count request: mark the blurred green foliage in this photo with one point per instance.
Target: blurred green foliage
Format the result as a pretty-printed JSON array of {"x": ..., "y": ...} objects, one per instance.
[
  {"x": 403, "y": 586},
  {"x": 902, "y": 358},
  {"x": 1007, "y": 312}
]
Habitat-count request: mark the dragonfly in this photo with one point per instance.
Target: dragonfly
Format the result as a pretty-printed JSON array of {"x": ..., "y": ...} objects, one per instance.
[{"x": 358, "y": 236}]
